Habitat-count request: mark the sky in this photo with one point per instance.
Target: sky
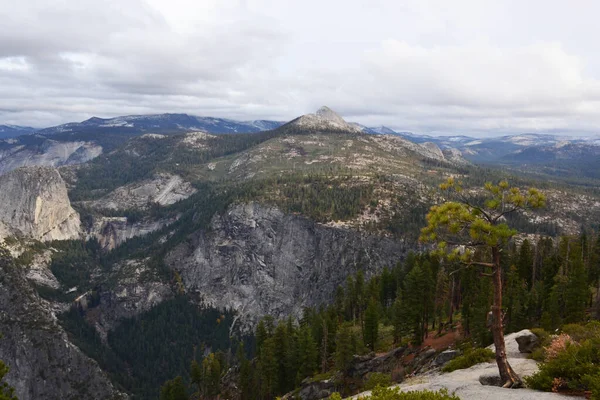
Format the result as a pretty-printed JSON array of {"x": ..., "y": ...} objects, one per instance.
[{"x": 436, "y": 67}]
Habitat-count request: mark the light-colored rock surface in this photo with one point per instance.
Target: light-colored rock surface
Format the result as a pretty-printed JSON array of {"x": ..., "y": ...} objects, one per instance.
[
  {"x": 258, "y": 260},
  {"x": 465, "y": 382},
  {"x": 136, "y": 289},
  {"x": 39, "y": 270},
  {"x": 44, "y": 364},
  {"x": 324, "y": 119},
  {"x": 50, "y": 153},
  {"x": 34, "y": 204},
  {"x": 113, "y": 231},
  {"x": 163, "y": 189}
]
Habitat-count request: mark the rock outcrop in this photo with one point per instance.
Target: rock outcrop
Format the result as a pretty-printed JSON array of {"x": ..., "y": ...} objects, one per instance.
[
  {"x": 45, "y": 152},
  {"x": 258, "y": 260},
  {"x": 527, "y": 341},
  {"x": 43, "y": 363},
  {"x": 113, "y": 231},
  {"x": 35, "y": 205},
  {"x": 325, "y": 119},
  {"x": 164, "y": 189}
]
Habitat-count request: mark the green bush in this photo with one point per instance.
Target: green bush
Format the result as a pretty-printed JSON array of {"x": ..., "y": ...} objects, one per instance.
[
  {"x": 539, "y": 354},
  {"x": 577, "y": 368},
  {"x": 470, "y": 358},
  {"x": 384, "y": 393},
  {"x": 593, "y": 384},
  {"x": 579, "y": 332},
  {"x": 544, "y": 336},
  {"x": 375, "y": 379}
]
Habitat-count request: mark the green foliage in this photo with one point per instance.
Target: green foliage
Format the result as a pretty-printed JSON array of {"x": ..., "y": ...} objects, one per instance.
[
  {"x": 173, "y": 390},
  {"x": 6, "y": 392},
  {"x": 385, "y": 393},
  {"x": 371, "y": 331},
  {"x": 153, "y": 347},
  {"x": 74, "y": 262},
  {"x": 344, "y": 348},
  {"x": 470, "y": 358},
  {"x": 469, "y": 221},
  {"x": 576, "y": 368},
  {"x": 375, "y": 379}
]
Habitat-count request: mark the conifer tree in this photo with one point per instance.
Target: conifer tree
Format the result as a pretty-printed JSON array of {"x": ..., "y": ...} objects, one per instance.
[
  {"x": 173, "y": 390},
  {"x": 577, "y": 290},
  {"x": 267, "y": 369},
  {"x": 525, "y": 262},
  {"x": 371, "y": 330},
  {"x": 344, "y": 349},
  {"x": 308, "y": 354},
  {"x": 474, "y": 224},
  {"x": 245, "y": 383}
]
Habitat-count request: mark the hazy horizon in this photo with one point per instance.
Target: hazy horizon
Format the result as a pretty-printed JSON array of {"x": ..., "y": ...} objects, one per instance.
[{"x": 433, "y": 67}]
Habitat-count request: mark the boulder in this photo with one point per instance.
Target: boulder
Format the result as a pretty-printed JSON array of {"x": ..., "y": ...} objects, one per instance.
[
  {"x": 527, "y": 341},
  {"x": 444, "y": 357},
  {"x": 490, "y": 380}
]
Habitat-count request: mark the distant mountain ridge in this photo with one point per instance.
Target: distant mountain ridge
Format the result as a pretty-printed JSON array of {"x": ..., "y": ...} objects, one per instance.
[
  {"x": 162, "y": 123},
  {"x": 11, "y": 131},
  {"x": 109, "y": 133}
]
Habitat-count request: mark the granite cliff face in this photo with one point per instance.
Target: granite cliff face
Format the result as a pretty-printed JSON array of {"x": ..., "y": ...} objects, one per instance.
[
  {"x": 163, "y": 189},
  {"x": 43, "y": 363},
  {"x": 113, "y": 231},
  {"x": 16, "y": 153},
  {"x": 259, "y": 261},
  {"x": 35, "y": 204}
]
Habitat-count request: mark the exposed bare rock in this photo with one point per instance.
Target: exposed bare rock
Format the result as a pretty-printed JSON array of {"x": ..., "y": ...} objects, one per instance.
[
  {"x": 527, "y": 341},
  {"x": 43, "y": 363},
  {"x": 455, "y": 156},
  {"x": 434, "y": 149},
  {"x": 35, "y": 204},
  {"x": 49, "y": 153},
  {"x": 258, "y": 260},
  {"x": 163, "y": 189},
  {"x": 136, "y": 289},
  {"x": 465, "y": 383},
  {"x": 325, "y": 119},
  {"x": 113, "y": 231},
  {"x": 39, "y": 270}
]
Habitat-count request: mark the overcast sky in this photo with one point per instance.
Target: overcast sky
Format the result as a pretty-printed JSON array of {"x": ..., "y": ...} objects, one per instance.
[{"x": 471, "y": 67}]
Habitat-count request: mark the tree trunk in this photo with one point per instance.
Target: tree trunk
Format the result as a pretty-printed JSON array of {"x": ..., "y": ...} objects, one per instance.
[{"x": 507, "y": 374}]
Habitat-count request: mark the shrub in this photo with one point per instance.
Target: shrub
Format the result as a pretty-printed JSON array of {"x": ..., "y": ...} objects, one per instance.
[
  {"x": 545, "y": 338},
  {"x": 579, "y": 332},
  {"x": 470, "y": 358},
  {"x": 375, "y": 379},
  {"x": 558, "y": 345},
  {"x": 382, "y": 393},
  {"x": 576, "y": 367}
]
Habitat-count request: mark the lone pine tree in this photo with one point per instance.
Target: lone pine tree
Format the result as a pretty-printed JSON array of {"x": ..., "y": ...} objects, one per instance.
[{"x": 475, "y": 220}]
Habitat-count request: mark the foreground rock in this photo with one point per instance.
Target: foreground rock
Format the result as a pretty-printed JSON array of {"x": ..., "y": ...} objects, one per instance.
[
  {"x": 465, "y": 383},
  {"x": 43, "y": 363},
  {"x": 35, "y": 205},
  {"x": 527, "y": 341},
  {"x": 257, "y": 260}
]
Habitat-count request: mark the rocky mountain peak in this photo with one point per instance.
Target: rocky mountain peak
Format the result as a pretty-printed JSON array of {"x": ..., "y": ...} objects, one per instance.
[{"x": 324, "y": 119}]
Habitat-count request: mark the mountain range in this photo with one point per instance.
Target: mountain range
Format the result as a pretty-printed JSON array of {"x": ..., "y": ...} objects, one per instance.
[
  {"x": 133, "y": 236},
  {"x": 556, "y": 155}
]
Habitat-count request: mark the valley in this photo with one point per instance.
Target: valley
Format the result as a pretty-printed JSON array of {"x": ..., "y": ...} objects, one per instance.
[{"x": 140, "y": 244}]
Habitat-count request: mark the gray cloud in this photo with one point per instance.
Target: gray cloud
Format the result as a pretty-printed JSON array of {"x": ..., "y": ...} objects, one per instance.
[{"x": 434, "y": 67}]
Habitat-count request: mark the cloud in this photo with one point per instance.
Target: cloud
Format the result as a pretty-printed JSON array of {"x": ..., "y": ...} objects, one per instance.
[{"x": 424, "y": 66}]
